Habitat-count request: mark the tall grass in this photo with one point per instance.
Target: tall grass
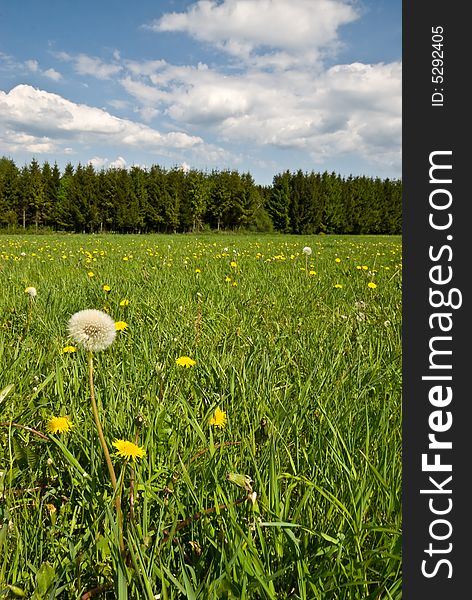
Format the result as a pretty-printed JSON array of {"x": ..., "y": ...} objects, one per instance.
[{"x": 309, "y": 376}]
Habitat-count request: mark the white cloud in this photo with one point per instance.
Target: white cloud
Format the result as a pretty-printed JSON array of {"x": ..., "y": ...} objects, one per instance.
[
  {"x": 32, "y": 65},
  {"x": 84, "y": 64},
  {"x": 52, "y": 74},
  {"x": 300, "y": 28},
  {"x": 148, "y": 95},
  {"x": 8, "y": 63},
  {"x": 269, "y": 88},
  {"x": 148, "y": 113},
  {"x": 348, "y": 108},
  {"x": 281, "y": 95},
  {"x": 147, "y": 67},
  {"x": 90, "y": 65},
  {"x": 28, "y": 111},
  {"x": 14, "y": 141},
  {"x": 99, "y": 163},
  {"x": 119, "y": 104},
  {"x": 118, "y": 163}
]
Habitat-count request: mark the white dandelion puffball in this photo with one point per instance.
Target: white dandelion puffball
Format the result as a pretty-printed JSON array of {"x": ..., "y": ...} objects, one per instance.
[
  {"x": 92, "y": 329},
  {"x": 307, "y": 250},
  {"x": 31, "y": 291}
]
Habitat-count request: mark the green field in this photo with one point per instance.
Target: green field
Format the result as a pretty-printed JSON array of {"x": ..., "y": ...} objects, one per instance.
[{"x": 302, "y": 353}]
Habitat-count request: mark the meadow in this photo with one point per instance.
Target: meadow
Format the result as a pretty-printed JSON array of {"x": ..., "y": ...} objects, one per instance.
[{"x": 262, "y": 386}]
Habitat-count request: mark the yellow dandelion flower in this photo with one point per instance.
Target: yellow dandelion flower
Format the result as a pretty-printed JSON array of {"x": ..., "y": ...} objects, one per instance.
[
  {"x": 227, "y": 279},
  {"x": 51, "y": 508},
  {"x": 185, "y": 361},
  {"x": 338, "y": 260},
  {"x": 372, "y": 285},
  {"x": 197, "y": 271},
  {"x": 218, "y": 419},
  {"x": 127, "y": 450},
  {"x": 312, "y": 273},
  {"x": 233, "y": 264},
  {"x": 106, "y": 288},
  {"x": 121, "y": 325},
  {"x": 338, "y": 286},
  {"x": 91, "y": 274},
  {"x": 69, "y": 349},
  {"x": 124, "y": 302},
  {"x": 59, "y": 424}
]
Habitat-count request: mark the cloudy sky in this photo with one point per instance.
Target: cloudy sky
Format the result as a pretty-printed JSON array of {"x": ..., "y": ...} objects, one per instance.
[{"x": 253, "y": 85}]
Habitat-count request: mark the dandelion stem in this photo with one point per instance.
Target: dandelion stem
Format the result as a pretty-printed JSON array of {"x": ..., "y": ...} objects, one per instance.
[
  {"x": 198, "y": 321},
  {"x": 25, "y": 427},
  {"x": 103, "y": 443},
  {"x": 132, "y": 479}
]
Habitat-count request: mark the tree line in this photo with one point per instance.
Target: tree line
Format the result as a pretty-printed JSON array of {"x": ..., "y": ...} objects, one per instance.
[{"x": 84, "y": 199}]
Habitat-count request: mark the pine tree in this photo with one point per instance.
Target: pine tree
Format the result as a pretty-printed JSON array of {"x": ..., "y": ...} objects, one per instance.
[
  {"x": 9, "y": 192},
  {"x": 279, "y": 202}
]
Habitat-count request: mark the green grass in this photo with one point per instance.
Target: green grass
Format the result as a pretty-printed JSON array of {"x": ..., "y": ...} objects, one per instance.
[{"x": 309, "y": 376}]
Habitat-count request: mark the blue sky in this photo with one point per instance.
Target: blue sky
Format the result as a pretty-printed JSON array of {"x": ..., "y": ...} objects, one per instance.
[{"x": 254, "y": 85}]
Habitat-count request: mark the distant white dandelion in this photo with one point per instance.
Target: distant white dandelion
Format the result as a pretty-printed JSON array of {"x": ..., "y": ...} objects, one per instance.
[
  {"x": 307, "y": 250},
  {"x": 31, "y": 291},
  {"x": 92, "y": 329}
]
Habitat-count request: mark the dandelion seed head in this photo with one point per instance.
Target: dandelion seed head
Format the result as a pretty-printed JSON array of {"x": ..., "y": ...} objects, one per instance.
[
  {"x": 252, "y": 497},
  {"x": 31, "y": 291},
  {"x": 92, "y": 329},
  {"x": 307, "y": 250}
]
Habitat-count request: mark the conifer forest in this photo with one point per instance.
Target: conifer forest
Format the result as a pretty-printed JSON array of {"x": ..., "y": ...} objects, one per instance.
[{"x": 83, "y": 199}]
